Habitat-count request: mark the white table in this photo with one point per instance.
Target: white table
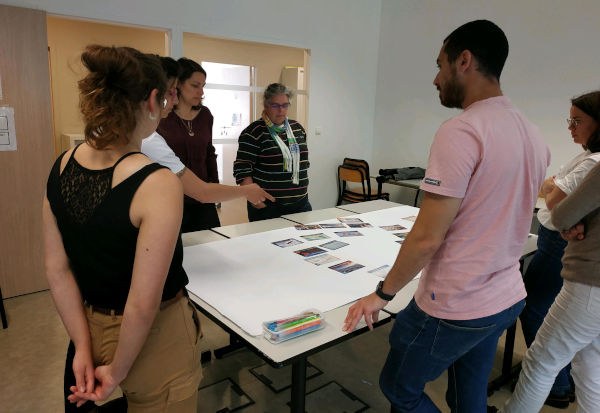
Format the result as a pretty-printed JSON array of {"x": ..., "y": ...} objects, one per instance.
[
  {"x": 294, "y": 352},
  {"x": 237, "y": 230},
  {"x": 200, "y": 237},
  {"x": 318, "y": 215},
  {"x": 368, "y": 206}
]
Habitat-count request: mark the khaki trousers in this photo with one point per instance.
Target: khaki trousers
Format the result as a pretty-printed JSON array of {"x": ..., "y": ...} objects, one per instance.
[{"x": 167, "y": 372}]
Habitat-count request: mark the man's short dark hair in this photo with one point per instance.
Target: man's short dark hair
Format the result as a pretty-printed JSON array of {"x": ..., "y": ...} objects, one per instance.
[{"x": 486, "y": 41}]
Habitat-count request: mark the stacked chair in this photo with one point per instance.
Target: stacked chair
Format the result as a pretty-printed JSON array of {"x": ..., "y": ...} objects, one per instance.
[{"x": 356, "y": 171}]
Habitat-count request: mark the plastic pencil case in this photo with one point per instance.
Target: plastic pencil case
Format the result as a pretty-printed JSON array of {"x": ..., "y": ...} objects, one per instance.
[{"x": 277, "y": 331}]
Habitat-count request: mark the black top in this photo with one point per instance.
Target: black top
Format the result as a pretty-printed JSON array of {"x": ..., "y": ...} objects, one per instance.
[{"x": 97, "y": 233}]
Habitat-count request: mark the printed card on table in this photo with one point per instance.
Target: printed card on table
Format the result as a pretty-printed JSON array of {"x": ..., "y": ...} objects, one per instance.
[
  {"x": 350, "y": 220},
  {"x": 306, "y": 227},
  {"x": 412, "y": 218},
  {"x": 402, "y": 236},
  {"x": 322, "y": 259},
  {"x": 393, "y": 227},
  {"x": 349, "y": 234},
  {"x": 314, "y": 237},
  {"x": 309, "y": 252},
  {"x": 380, "y": 271},
  {"x": 346, "y": 267},
  {"x": 360, "y": 225},
  {"x": 333, "y": 225},
  {"x": 287, "y": 242},
  {"x": 334, "y": 245}
]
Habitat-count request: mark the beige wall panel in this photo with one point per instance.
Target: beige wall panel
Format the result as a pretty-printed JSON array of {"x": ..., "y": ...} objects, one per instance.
[
  {"x": 268, "y": 59},
  {"x": 23, "y": 173},
  {"x": 67, "y": 38}
]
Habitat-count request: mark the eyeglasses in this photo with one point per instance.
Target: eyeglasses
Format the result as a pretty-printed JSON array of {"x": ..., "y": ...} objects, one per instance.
[
  {"x": 164, "y": 105},
  {"x": 278, "y": 106},
  {"x": 573, "y": 123}
]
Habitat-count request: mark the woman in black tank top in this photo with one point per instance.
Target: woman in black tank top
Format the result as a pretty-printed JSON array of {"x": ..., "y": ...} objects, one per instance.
[{"x": 113, "y": 250}]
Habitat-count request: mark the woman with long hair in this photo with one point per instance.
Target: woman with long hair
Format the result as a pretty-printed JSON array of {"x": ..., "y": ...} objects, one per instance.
[{"x": 188, "y": 131}]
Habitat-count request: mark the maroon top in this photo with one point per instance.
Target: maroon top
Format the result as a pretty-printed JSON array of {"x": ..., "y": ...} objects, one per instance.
[{"x": 196, "y": 152}]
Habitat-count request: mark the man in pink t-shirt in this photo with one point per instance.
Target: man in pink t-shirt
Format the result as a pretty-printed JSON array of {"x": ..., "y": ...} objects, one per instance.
[{"x": 485, "y": 168}]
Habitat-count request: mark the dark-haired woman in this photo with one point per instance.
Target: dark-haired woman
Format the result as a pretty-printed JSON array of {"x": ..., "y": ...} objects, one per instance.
[
  {"x": 542, "y": 278},
  {"x": 112, "y": 247},
  {"x": 188, "y": 131}
]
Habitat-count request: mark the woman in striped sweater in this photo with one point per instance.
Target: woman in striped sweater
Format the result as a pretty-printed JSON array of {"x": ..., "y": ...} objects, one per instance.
[{"x": 273, "y": 153}]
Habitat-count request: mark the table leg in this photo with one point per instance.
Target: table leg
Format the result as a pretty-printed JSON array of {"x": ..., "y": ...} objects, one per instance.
[
  {"x": 416, "y": 197},
  {"x": 235, "y": 343},
  {"x": 508, "y": 371},
  {"x": 298, "y": 385},
  {"x": 2, "y": 311}
]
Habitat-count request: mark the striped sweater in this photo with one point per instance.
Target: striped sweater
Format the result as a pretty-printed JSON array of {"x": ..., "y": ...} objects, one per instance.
[{"x": 260, "y": 158}]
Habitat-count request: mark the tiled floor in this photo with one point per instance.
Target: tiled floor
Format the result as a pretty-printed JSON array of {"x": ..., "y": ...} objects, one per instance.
[{"x": 34, "y": 345}]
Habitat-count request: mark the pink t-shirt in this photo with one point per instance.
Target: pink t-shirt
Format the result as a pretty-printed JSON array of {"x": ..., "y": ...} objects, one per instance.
[{"x": 495, "y": 160}]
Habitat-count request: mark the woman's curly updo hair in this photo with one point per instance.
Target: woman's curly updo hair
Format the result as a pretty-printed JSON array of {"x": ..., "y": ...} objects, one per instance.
[
  {"x": 589, "y": 103},
  {"x": 119, "y": 79}
]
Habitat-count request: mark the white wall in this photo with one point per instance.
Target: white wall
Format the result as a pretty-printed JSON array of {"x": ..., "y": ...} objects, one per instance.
[
  {"x": 554, "y": 55},
  {"x": 343, "y": 36}
]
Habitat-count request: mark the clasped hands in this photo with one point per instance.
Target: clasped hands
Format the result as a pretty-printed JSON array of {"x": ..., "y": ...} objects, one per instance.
[{"x": 91, "y": 384}]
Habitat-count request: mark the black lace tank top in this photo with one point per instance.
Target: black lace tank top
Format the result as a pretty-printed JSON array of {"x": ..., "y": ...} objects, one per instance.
[{"x": 97, "y": 233}]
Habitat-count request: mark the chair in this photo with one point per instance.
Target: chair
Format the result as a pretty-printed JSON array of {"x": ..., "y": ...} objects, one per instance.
[
  {"x": 356, "y": 174},
  {"x": 364, "y": 165}
]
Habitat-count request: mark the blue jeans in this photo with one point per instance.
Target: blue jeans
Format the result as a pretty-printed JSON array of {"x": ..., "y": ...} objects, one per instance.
[
  {"x": 543, "y": 283},
  {"x": 422, "y": 347},
  {"x": 275, "y": 210}
]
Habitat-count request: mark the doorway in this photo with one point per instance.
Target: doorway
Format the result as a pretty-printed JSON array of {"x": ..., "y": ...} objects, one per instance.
[{"x": 237, "y": 74}]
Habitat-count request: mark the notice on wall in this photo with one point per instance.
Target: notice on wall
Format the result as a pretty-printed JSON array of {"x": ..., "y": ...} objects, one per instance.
[{"x": 8, "y": 137}]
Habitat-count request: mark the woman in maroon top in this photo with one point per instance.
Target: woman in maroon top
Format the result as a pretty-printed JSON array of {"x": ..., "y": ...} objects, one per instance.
[{"x": 188, "y": 131}]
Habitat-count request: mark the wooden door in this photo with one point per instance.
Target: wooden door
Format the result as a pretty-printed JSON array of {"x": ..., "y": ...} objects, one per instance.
[{"x": 26, "y": 88}]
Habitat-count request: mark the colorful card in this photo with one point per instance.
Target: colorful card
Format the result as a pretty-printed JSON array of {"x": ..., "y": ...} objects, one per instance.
[
  {"x": 309, "y": 252},
  {"x": 287, "y": 242},
  {"x": 322, "y": 259},
  {"x": 346, "y": 267},
  {"x": 412, "y": 218},
  {"x": 334, "y": 245},
  {"x": 306, "y": 227},
  {"x": 334, "y": 225},
  {"x": 314, "y": 237},
  {"x": 360, "y": 225},
  {"x": 393, "y": 227},
  {"x": 380, "y": 271},
  {"x": 350, "y": 220},
  {"x": 401, "y": 235},
  {"x": 348, "y": 234}
]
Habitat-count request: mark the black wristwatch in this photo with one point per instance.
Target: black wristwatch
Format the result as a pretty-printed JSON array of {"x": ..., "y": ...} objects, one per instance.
[{"x": 381, "y": 294}]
